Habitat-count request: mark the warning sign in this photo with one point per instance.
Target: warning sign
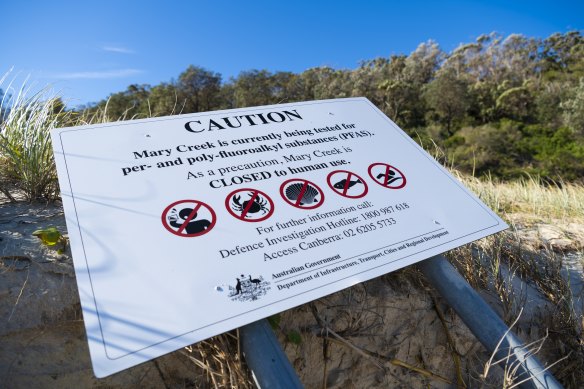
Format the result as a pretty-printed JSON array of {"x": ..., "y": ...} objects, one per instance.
[
  {"x": 347, "y": 184},
  {"x": 387, "y": 176},
  {"x": 206, "y": 222},
  {"x": 250, "y": 205},
  {"x": 188, "y": 218},
  {"x": 301, "y": 193}
]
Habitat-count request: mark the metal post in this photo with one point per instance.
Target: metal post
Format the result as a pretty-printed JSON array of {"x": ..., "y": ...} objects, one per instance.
[
  {"x": 485, "y": 324},
  {"x": 266, "y": 359}
]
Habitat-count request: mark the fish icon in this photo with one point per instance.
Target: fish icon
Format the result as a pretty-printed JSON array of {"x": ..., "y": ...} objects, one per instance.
[{"x": 341, "y": 184}]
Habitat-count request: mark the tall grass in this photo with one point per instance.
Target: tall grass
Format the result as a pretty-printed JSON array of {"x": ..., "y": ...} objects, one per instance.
[
  {"x": 26, "y": 156},
  {"x": 530, "y": 197},
  {"x": 522, "y": 277}
]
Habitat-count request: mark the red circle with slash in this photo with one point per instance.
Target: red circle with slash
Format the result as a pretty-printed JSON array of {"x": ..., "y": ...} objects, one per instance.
[
  {"x": 188, "y": 227},
  {"x": 303, "y": 186},
  {"x": 255, "y": 200},
  {"x": 342, "y": 187},
  {"x": 385, "y": 178}
]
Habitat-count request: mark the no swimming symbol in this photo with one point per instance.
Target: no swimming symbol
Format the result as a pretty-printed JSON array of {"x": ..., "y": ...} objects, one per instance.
[
  {"x": 188, "y": 218},
  {"x": 387, "y": 176}
]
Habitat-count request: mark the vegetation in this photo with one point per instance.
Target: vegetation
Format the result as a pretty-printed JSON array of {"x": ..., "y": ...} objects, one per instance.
[
  {"x": 530, "y": 198},
  {"x": 499, "y": 106},
  {"x": 51, "y": 236},
  {"x": 26, "y": 156}
]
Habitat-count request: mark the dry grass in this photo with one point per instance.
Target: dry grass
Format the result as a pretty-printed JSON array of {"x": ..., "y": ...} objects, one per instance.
[
  {"x": 523, "y": 279},
  {"x": 530, "y": 197},
  {"x": 219, "y": 363}
]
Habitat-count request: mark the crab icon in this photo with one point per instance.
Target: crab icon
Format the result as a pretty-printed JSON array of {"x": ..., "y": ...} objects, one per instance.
[
  {"x": 250, "y": 205},
  {"x": 258, "y": 204}
]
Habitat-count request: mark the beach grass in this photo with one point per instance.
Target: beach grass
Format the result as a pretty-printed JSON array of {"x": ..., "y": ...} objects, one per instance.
[
  {"x": 26, "y": 156},
  {"x": 529, "y": 196}
]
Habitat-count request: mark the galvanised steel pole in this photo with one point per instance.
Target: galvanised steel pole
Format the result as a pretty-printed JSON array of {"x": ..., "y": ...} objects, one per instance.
[
  {"x": 485, "y": 324},
  {"x": 266, "y": 359}
]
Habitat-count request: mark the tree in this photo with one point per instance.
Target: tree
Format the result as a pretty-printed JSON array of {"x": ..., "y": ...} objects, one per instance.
[
  {"x": 490, "y": 149},
  {"x": 516, "y": 103},
  {"x": 399, "y": 97},
  {"x": 125, "y": 105},
  {"x": 574, "y": 109},
  {"x": 283, "y": 88},
  {"x": 199, "y": 89},
  {"x": 517, "y": 58},
  {"x": 261, "y": 87},
  {"x": 563, "y": 54},
  {"x": 253, "y": 88},
  {"x": 315, "y": 83},
  {"x": 422, "y": 63},
  {"x": 547, "y": 101},
  {"x": 447, "y": 97},
  {"x": 164, "y": 100}
]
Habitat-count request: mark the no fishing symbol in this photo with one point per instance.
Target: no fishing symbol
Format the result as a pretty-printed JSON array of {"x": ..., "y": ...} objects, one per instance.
[
  {"x": 347, "y": 184},
  {"x": 387, "y": 176},
  {"x": 301, "y": 193},
  {"x": 250, "y": 205},
  {"x": 188, "y": 218}
]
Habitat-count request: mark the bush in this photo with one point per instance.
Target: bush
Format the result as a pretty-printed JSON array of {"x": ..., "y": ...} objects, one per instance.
[{"x": 488, "y": 149}]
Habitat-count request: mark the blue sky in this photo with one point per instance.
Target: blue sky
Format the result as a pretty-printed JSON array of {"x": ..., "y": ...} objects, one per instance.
[{"x": 88, "y": 50}]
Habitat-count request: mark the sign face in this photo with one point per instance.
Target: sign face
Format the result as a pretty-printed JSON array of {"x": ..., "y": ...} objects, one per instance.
[{"x": 188, "y": 226}]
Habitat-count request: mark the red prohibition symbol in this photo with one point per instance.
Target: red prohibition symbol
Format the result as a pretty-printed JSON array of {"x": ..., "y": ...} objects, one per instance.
[
  {"x": 387, "y": 176},
  {"x": 301, "y": 193},
  {"x": 188, "y": 218},
  {"x": 347, "y": 184},
  {"x": 249, "y": 205}
]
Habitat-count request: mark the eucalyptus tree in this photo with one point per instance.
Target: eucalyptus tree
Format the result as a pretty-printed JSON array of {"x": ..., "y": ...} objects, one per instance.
[
  {"x": 199, "y": 88},
  {"x": 252, "y": 87},
  {"x": 447, "y": 98},
  {"x": 166, "y": 99},
  {"x": 563, "y": 54}
]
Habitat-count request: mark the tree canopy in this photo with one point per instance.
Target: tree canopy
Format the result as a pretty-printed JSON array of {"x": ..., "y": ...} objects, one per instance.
[{"x": 503, "y": 106}]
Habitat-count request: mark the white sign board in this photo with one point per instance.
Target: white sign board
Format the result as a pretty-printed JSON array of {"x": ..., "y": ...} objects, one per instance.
[{"x": 188, "y": 226}]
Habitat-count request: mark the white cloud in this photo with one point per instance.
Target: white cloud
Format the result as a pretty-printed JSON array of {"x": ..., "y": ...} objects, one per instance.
[
  {"x": 117, "y": 73},
  {"x": 118, "y": 49}
]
